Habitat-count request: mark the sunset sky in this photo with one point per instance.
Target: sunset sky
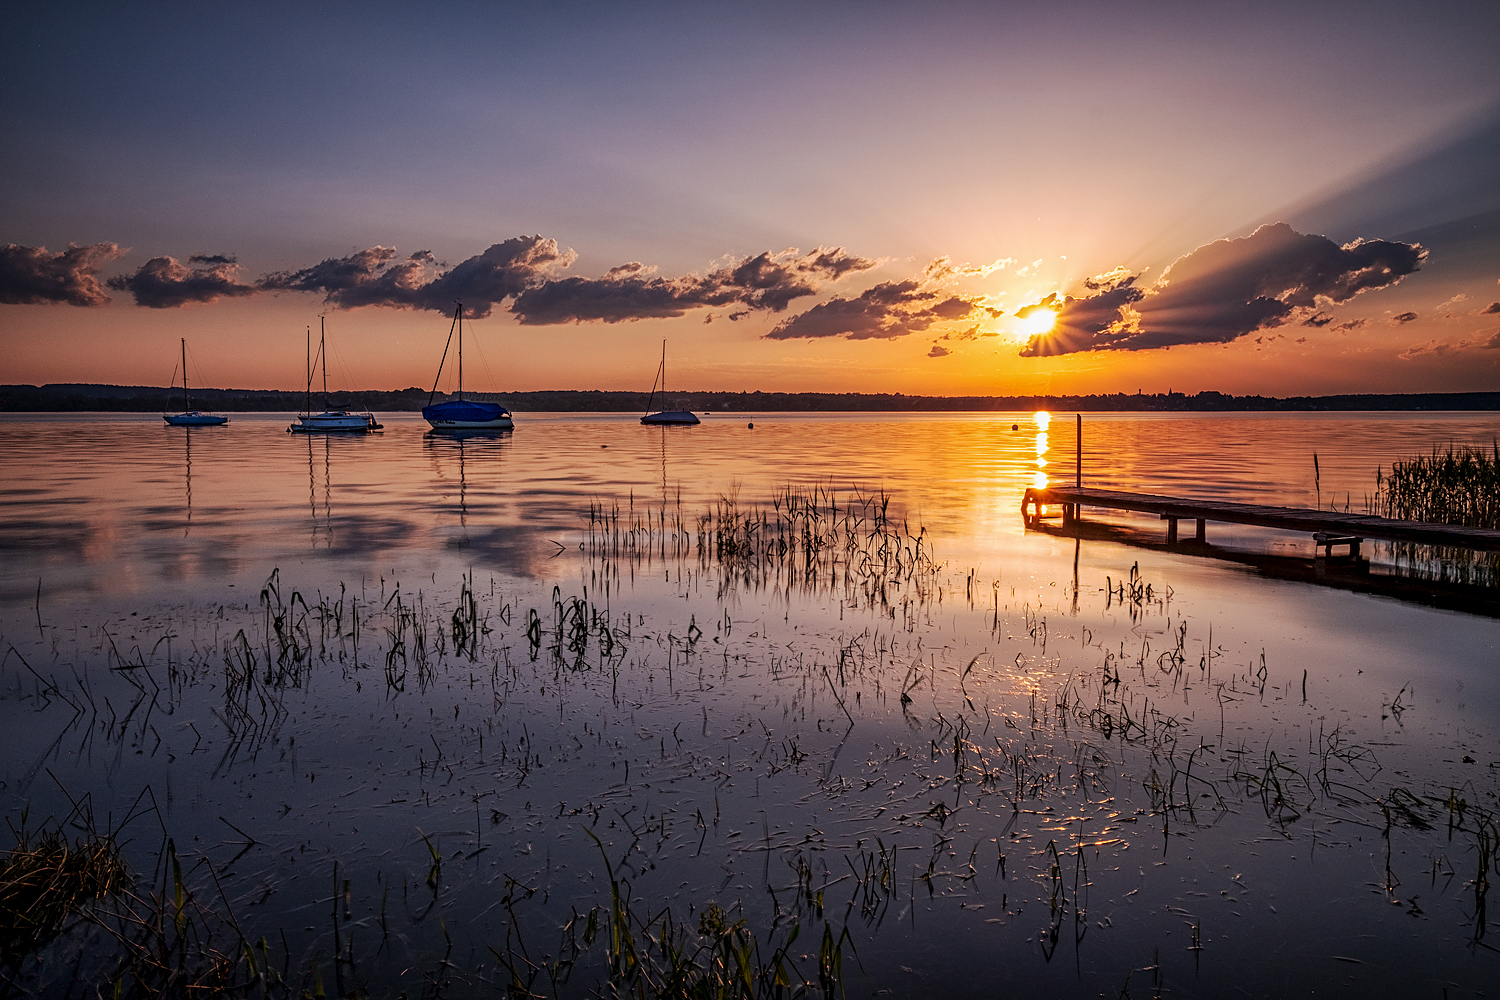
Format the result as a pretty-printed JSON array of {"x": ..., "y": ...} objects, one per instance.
[{"x": 929, "y": 198}]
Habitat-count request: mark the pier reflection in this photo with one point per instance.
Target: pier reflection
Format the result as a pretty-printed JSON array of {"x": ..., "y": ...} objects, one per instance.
[{"x": 1418, "y": 584}]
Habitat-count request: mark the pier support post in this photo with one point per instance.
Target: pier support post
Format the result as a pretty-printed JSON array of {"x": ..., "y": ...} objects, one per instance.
[
  {"x": 1171, "y": 530},
  {"x": 1202, "y": 533}
]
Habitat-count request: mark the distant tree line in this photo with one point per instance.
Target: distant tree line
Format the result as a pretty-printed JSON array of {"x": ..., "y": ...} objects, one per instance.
[{"x": 149, "y": 399}]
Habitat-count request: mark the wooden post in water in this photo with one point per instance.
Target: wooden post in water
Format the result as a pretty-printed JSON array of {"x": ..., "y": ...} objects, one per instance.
[{"x": 1078, "y": 455}]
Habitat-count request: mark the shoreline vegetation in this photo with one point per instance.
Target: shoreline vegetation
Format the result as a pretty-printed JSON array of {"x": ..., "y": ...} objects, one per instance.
[{"x": 79, "y": 397}]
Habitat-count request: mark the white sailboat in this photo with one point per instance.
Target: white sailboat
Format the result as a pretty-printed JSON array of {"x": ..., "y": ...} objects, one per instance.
[
  {"x": 329, "y": 421},
  {"x": 190, "y": 417},
  {"x": 681, "y": 418}
]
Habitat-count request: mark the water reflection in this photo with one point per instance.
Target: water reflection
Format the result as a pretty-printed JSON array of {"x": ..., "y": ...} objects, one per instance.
[
  {"x": 1043, "y": 420},
  {"x": 1454, "y": 580},
  {"x": 187, "y": 479},
  {"x": 104, "y": 511},
  {"x": 463, "y": 444},
  {"x": 322, "y": 532}
]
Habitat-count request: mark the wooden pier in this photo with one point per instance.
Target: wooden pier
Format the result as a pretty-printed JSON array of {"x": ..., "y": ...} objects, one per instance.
[{"x": 1329, "y": 528}]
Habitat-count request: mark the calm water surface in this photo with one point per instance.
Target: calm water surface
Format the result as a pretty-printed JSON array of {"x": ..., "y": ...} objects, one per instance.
[{"x": 1083, "y": 767}]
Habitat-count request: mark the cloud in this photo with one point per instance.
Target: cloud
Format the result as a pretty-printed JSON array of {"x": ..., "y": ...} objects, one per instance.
[
  {"x": 1401, "y": 319},
  {"x": 165, "y": 282},
  {"x": 1491, "y": 309},
  {"x": 944, "y": 271},
  {"x": 938, "y": 352},
  {"x": 889, "y": 310},
  {"x": 1433, "y": 347},
  {"x": 374, "y": 277},
  {"x": 766, "y": 281},
  {"x": 32, "y": 275},
  {"x": 1107, "y": 315},
  {"x": 1224, "y": 290},
  {"x": 1349, "y": 326},
  {"x": 1436, "y": 348},
  {"x": 1318, "y": 319}
]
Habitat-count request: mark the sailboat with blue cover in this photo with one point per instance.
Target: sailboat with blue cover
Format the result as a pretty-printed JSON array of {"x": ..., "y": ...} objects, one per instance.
[
  {"x": 462, "y": 414},
  {"x": 678, "y": 418},
  {"x": 190, "y": 417}
]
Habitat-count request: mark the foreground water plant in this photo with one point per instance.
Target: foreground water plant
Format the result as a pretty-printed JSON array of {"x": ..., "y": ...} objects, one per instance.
[
  {"x": 948, "y": 764},
  {"x": 1459, "y": 486}
]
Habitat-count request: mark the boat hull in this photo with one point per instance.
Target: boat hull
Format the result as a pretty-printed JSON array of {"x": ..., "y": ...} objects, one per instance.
[
  {"x": 678, "y": 418},
  {"x": 194, "y": 418},
  {"x": 468, "y": 415},
  {"x": 335, "y": 422}
]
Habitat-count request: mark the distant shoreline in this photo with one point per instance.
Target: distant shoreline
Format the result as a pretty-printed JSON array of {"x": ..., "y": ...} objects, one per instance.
[{"x": 71, "y": 397}]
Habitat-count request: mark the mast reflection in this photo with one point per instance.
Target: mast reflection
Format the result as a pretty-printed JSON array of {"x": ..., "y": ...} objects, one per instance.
[
  {"x": 322, "y": 529},
  {"x": 466, "y": 444},
  {"x": 187, "y": 475}
]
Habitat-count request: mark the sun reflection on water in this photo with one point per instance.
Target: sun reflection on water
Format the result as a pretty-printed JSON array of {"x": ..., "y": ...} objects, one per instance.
[{"x": 1043, "y": 420}]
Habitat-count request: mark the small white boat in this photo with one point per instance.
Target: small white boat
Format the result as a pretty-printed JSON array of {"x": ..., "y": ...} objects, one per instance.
[
  {"x": 334, "y": 420},
  {"x": 329, "y": 421},
  {"x": 190, "y": 417},
  {"x": 462, "y": 414},
  {"x": 679, "y": 418}
]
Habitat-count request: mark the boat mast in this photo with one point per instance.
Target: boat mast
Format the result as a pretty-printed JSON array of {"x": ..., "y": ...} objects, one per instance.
[
  {"x": 323, "y": 353},
  {"x": 460, "y": 309},
  {"x": 309, "y": 370},
  {"x": 185, "y": 406}
]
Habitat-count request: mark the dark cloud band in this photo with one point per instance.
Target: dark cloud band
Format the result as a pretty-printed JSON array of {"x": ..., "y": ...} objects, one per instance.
[
  {"x": 1225, "y": 290},
  {"x": 34, "y": 275},
  {"x": 374, "y": 277},
  {"x": 889, "y": 310},
  {"x": 166, "y": 283},
  {"x": 766, "y": 281}
]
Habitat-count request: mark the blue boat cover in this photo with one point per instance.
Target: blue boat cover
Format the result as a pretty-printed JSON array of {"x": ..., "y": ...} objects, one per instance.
[{"x": 464, "y": 410}]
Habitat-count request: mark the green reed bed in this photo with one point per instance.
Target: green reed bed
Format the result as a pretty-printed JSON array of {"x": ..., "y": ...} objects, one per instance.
[{"x": 1460, "y": 486}]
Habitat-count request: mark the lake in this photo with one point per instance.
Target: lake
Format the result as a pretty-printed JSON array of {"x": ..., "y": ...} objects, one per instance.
[{"x": 405, "y": 709}]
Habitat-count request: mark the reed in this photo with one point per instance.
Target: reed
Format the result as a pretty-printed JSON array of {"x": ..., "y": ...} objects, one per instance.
[
  {"x": 1460, "y": 486},
  {"x": 48, "y": 881}
]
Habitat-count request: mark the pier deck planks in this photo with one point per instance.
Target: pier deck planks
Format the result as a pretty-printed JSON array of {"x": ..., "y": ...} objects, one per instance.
[{"x": 1300, "y": 519}]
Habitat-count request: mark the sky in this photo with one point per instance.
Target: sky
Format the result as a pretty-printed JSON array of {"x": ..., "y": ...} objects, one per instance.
[{"x": 938, "y": 198}]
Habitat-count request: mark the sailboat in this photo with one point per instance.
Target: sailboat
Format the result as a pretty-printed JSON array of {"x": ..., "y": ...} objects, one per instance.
[
  {"x": 665, "y": 417},
  {"x": 462, "y": 414},
  {"x": 329, "y": 420},
  {"x": 190, "y": 417}
]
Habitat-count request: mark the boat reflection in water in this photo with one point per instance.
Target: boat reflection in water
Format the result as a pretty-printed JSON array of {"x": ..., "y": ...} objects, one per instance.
[
  {"x": 466, "y": 443},
  {"x": 187, "y": 476}
]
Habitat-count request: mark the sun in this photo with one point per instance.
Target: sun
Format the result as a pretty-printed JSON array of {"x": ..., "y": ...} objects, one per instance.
[{"x": 1037, "y": 322}]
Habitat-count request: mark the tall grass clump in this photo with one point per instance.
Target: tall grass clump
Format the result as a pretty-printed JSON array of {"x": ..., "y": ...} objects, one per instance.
[
  {"x": 1460, "y": 486},
  {"x": 809, "y": 539},
  {"x": 47, "y": 882}
]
